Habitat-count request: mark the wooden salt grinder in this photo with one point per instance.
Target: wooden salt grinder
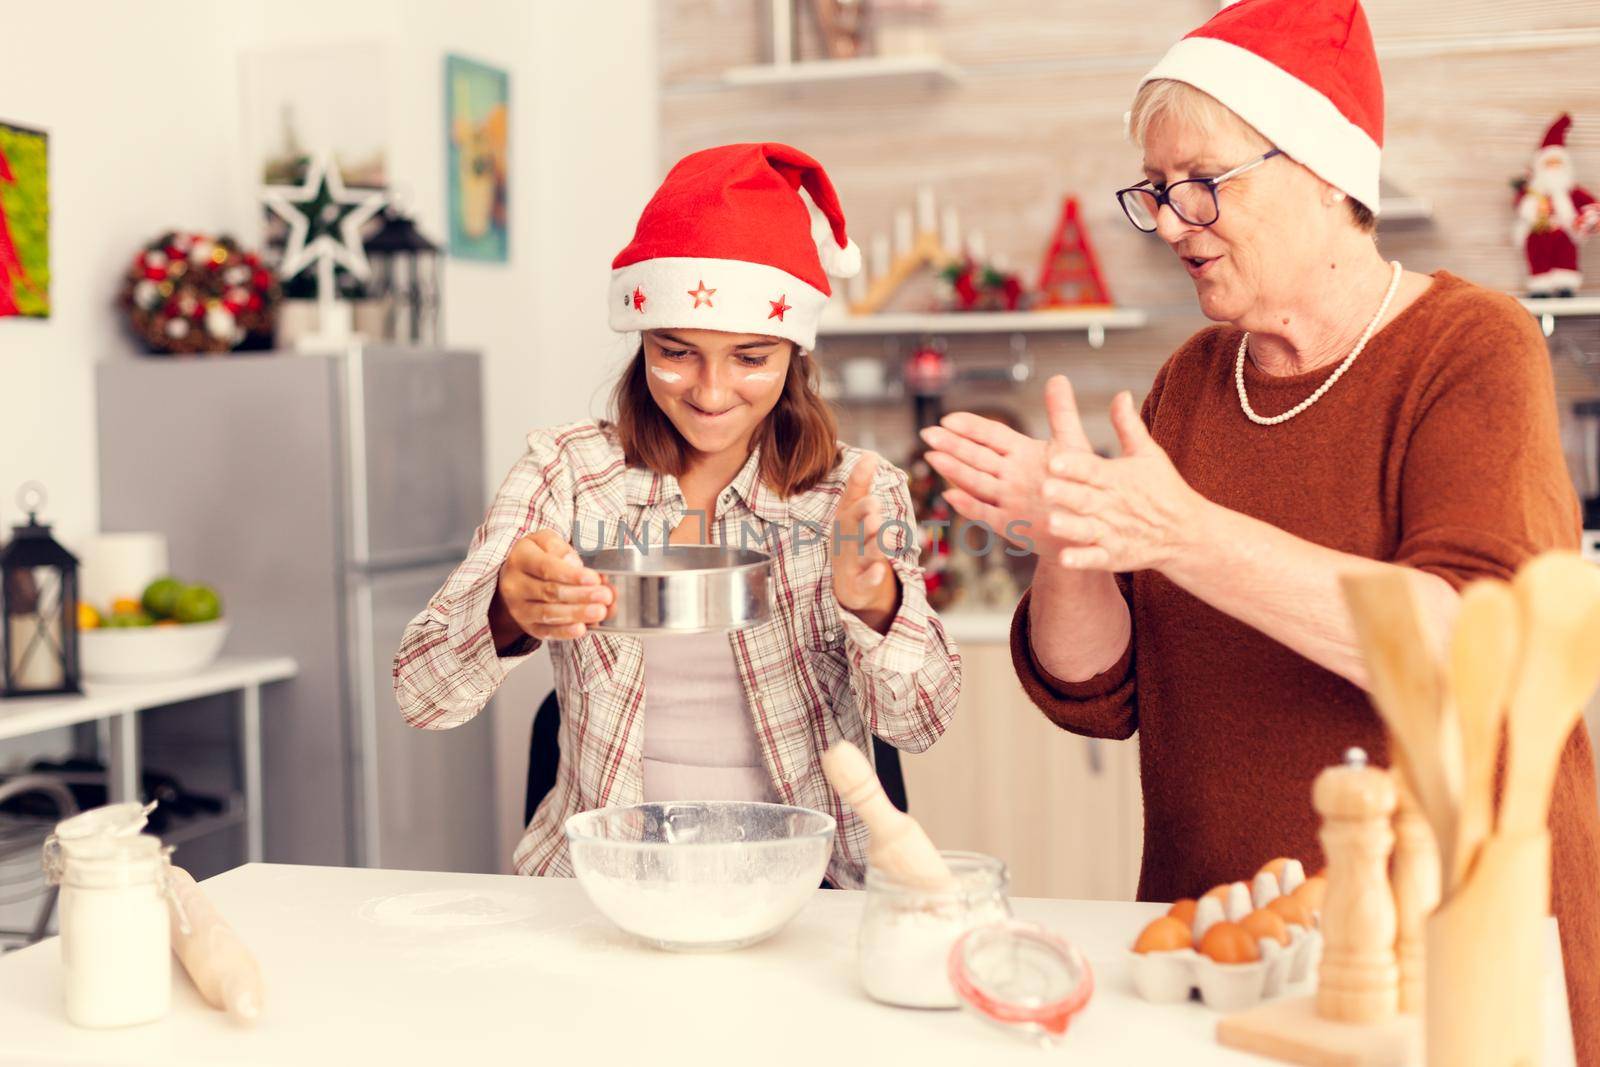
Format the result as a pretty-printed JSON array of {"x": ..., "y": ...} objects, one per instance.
[
  {"x": 1358, "y": 981},
  {"x": 1416, "y": 878}
]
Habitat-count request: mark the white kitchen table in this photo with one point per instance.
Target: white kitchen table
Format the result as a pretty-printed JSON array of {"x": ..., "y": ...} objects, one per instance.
[{"x": 401, "y": 967}]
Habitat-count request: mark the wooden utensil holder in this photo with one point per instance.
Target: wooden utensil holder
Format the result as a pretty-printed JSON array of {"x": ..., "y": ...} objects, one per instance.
[{"x": 1485, "y": 948}]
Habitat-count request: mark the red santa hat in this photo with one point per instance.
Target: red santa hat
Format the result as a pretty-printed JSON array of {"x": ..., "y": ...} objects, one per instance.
[
  {"x": 1556, "y": 135},
  {"x": 1304, "y": 73},
  {"x": 727, "y": 243}
]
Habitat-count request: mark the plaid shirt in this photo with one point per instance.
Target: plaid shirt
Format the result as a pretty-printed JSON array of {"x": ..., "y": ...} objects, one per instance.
[{"x": 812, "y": 674}]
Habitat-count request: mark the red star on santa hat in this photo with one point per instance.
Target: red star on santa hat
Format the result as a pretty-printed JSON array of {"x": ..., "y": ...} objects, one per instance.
[
  {"x": 702, "y": 295},
  {"x": 638, "y": 299},
  {"x": 779, "y": 307}
]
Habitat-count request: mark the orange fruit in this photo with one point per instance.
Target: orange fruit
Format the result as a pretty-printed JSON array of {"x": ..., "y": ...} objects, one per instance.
[
  {"x": 1166, "y": 934},
  {"x": 1230, "y": 943},
  {"x": 126, "y": 605},
  {"x": 1183, "y": 911},
  {"x": 88, "y": 617},
  {"x": 1265, "y": 924}
]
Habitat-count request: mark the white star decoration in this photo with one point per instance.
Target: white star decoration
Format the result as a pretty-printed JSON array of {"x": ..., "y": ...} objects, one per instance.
[{"x": 286, "y": 202}]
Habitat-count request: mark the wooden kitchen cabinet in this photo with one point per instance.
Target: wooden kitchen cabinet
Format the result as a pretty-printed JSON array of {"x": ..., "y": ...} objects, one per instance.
[{"x": 1063, "y": 811}]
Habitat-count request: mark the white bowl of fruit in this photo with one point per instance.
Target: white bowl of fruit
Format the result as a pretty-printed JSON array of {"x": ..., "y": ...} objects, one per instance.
[{"x": 173, "y": 629}]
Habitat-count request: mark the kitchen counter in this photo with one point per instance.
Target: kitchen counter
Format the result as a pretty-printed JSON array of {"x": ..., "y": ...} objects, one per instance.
[
  {"x": 975, "y": 626},
  {"x": 375, "y": 966}
]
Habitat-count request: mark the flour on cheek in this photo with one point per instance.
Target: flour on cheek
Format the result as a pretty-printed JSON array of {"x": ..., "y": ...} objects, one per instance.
[{"x": 671, "y": 377}]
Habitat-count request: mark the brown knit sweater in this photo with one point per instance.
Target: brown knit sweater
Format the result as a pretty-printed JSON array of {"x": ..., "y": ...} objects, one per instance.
[{"x": 1437, "y": 450}]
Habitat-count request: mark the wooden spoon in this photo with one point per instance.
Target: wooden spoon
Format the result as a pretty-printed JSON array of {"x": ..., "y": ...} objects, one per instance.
[
  {"x": 1483, "y": 667},
  {"x": 1406, "y": 683},
  {"x": 1559, "y": 597},
  {"x": 899, "y": 846}
]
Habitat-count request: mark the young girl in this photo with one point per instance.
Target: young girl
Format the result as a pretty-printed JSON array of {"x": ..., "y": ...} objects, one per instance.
[{"x": 717, "y": 435}]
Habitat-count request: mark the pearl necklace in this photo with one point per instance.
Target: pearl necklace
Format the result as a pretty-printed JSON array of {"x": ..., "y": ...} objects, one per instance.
[{"x": 1372, "y": 327}]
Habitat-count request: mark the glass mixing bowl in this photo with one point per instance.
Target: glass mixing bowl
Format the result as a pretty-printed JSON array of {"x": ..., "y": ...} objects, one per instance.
[{"x": 700, "y": 875}]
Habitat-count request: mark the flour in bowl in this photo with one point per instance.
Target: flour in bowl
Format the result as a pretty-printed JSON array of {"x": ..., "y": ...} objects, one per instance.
[{"x": 698, "y": 915}]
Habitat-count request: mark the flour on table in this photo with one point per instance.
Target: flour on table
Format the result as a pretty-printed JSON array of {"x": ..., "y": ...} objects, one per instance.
[{"x": 447, "y": 907}]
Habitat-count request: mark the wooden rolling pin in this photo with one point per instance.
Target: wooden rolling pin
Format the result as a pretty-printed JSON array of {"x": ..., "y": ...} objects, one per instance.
[
  {"x": 224, "y": 971},
  {"x": 899, "y": 846}
]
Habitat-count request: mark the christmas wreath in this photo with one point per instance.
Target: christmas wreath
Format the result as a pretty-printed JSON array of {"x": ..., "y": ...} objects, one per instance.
[{"x": 187, "y": 293}]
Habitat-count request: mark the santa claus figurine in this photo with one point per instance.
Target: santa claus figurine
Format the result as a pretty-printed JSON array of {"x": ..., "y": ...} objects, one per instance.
[{"x": 1553, "y": 214}]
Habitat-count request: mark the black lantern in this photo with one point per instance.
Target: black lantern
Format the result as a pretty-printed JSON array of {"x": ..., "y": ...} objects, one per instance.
[
  {"x": 39, "y": 603},
  {"x": 405, "y": 275}
]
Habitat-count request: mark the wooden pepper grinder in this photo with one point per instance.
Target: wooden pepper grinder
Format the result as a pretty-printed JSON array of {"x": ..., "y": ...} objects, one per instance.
[
  {"x": 1416, "y": 880},
  {"x": 1359, "y": 981},
  {"x": 1353, "y": 1020}
]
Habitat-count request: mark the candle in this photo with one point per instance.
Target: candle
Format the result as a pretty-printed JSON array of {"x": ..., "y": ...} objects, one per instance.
[
  {"x": 858, "y": 288},
  {"x": 950, "y": 232},
  {"x": 904, "y": 237},
  {"x": 927, "y": 219},
  {"x": 880, "y": 255},
  {"x": 976, "y": 248},
  {"x": 35, "y": 664}
]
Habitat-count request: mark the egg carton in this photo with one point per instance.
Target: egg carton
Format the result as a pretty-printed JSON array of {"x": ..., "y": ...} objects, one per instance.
[{"x": 1172, "y": 977}]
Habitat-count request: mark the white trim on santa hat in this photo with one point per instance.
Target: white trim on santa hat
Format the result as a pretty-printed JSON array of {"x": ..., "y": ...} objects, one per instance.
[
  {"x": 736, "y": 297},
  {"x": 1291, "y": 114}
]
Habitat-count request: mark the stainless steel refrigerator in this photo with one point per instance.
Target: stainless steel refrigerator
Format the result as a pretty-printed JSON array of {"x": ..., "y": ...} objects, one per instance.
[{"x": 326, "y": 497}]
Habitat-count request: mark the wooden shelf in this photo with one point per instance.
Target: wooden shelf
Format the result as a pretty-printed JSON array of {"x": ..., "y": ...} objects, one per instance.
[
  {"x": 1405, "y": 209},
  {"x": 1582, "y": 304},
  {"x": 872, "y": 69},
  {"x": 20, "y": 716},
  {"x": 1547, "y": 309},
  {"x": 1396, "y": 206},
  {"x": 1091, "y": 321}
]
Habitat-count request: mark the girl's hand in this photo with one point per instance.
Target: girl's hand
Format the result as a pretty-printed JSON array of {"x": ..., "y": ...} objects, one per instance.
[
  {"x": 863, "y": 580},
  {"x": 545, "y": 592}
]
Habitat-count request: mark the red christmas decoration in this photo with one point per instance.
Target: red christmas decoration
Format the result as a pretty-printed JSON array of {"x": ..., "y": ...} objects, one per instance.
[
  {"x": 1554, "y": 213},
  {"x": 1070, "y": 276},
  {"x": 191, "y": 293}
]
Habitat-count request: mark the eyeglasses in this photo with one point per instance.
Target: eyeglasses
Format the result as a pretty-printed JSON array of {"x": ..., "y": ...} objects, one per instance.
[{"x": 1194, "y": 200}]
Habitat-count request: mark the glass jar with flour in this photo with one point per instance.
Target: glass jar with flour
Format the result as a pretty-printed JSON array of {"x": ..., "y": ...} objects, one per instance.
[
  {"x": 907, "y": 931},
  {"x": 116, "y": 954}
]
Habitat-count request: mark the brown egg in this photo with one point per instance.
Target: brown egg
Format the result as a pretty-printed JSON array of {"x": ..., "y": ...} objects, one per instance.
[
  {"x": 1183, "y": 911},
  {"x": 1219, "y": 892},
  {"x": 1265, "y": 924},
  {"x": 1274, "y": 867},
  {"x": 1166, "y": 934},
  {"x": 1313, "y": 891},
  {"x": 1230, "y": 943},
  {"x": 1292, "y": 909}
]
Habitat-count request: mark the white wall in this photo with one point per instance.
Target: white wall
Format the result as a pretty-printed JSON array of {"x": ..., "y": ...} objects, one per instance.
[
  {"x": 125, "y": 163},
  {"x": 122, "y": 165}
]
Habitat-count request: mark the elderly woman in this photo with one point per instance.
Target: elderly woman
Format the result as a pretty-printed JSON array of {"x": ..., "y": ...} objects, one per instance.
[{"x": 1344, "y": 415}]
